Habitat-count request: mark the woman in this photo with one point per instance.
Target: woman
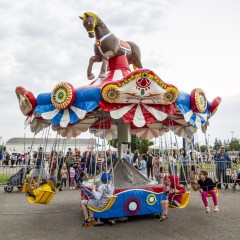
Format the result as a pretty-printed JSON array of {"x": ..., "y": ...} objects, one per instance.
[
  {"x": 172, "y": 163},
  {"x": 100, "y": 162},
  {"x": 185, "y": 163}
]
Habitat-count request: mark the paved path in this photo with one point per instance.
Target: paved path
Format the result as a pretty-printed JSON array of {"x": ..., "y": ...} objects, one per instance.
[{"x": 62, "y": 218}]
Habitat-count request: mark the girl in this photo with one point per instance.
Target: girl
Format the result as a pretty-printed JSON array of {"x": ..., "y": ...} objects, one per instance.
[
  {"x": 172, "y": 163},
  {"x": 143, "y": 165},
  {"x": 136, "y": 160},
  {"x": 72, "y": 177},
  {"x": 101, "y": 197},
  {"x": 192, "y": 177},
  {"x": 206, "y": 186},
  {"x": 172, "y": 194},
  {"x": 64, "y": 175},
  {"x": 156, "y": 166}
]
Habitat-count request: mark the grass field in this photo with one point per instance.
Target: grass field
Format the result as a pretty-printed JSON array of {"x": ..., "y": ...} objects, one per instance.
[{"x": 4, "y": 178}]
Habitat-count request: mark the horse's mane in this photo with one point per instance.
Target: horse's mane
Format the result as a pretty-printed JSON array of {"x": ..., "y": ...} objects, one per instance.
[{"x": 92, "y": 15}]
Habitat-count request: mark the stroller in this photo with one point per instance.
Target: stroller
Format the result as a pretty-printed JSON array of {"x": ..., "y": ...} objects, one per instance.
[
  {"x": 235, "y": 178},
  {"x": 17, "y": 179}
]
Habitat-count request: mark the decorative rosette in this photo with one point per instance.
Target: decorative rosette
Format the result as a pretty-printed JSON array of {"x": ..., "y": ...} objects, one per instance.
[{"x": 63, "y": 96}]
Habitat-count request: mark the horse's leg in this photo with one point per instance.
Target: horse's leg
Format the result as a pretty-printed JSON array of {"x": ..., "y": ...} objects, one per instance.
[
  {"x": 135, "y": 56},
  {"x": 92, "y": 60},
  {"x": 105, "y": 59}
]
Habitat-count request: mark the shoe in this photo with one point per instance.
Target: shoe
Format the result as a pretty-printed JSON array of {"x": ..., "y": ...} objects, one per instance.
[
  {"x": 216, "y": 210},
  {"x": 226, "y": 187},
  {"x": 31, "y": 195},
  {"x": 163, "y": 217},
  {"x": 89, "y": 222},
  {"x": 207, "y": 210}
]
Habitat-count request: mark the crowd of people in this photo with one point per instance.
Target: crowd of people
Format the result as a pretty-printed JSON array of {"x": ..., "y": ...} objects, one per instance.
[{"x": 175, "y": 168}]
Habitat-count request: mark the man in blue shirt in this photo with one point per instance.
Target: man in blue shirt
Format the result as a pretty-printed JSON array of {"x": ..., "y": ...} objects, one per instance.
[{"x": 223, "y": 161}]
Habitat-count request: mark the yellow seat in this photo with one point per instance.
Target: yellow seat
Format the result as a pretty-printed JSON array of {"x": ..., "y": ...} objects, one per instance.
[
  {"x": 43, "y": 195},
  {"x": 216, "y": 190},
  {"x": 27, "y": 186},
  {"x": 109, "y": 205},
  {"x": 185, "y": 200}
]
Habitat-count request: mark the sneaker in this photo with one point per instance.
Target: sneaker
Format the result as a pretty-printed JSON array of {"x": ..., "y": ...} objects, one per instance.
[
  {"x": 163, "y": 217},
  {"x": 216, "y": 210},
  {"x": 207, "y": 210},
  {"x": 89, "y": 222}
]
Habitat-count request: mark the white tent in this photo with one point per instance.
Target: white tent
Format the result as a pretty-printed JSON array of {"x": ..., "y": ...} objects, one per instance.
[
  {"x": 157, "y": 146},
  {"x": 103, "y": 148}
]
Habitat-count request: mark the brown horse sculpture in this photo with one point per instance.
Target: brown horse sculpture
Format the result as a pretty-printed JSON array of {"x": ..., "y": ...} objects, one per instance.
[{"x": 107, "y": 45}]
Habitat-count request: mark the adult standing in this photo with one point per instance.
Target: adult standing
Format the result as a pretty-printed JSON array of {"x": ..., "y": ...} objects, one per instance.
[
  {"x": 222, "y": 162},
  {"x": 38, "y": 159},
  {"x": 19, "y": 159},
  {"x": 6, "y": 158},
  {"x": 128, "y": 157},
  {"x": 149, "y": 163},
  {"x": 185, "y": 163},
  {"x": 172, "y": 162}
]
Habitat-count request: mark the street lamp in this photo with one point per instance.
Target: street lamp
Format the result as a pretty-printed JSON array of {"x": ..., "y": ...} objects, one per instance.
[{"x": 232, "y": 132}]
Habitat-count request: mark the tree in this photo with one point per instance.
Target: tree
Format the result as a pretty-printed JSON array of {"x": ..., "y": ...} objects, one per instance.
[
  {"x": 135, "y": 143},
  {"x": 144, "y": 145},
  {"x": 217, "y": 144},
  {"x": 234, "y": 145}
]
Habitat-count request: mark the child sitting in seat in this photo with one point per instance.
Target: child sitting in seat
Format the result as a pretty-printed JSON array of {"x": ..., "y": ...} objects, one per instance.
[
  {"x": 101, "y": 198},
  {"x": 192, "y": 177},
  {"x": 206, "y": 186},
  {"x": 172, "y": 194},
  {"x": 42, "y": 186}
]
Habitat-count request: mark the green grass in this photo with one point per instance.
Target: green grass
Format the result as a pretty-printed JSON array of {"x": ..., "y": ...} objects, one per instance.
[{"x": 4, "y": 178}]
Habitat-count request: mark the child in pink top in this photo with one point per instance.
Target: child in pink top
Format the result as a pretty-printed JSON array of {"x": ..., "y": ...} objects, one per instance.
[{"x": 72, "y": 177}]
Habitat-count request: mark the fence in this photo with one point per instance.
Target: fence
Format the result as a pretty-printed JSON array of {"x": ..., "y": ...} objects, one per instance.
[{"x": 17, "y": 173}]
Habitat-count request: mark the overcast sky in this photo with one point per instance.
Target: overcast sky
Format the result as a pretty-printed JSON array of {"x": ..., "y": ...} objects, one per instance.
[{"x": 188, "y": 43}]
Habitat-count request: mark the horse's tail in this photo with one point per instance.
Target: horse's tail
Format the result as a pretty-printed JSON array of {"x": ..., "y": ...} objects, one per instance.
[{"x": 135, "y": 57}]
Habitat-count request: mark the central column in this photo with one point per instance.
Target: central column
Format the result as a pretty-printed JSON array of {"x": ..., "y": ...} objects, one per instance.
[{"x": 124, "y": 137}]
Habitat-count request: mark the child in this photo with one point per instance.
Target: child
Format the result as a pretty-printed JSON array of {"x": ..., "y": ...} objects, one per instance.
[
  {"x": 64, "y": 175},
  {"x": 156, "y": 166},
  {"x": 192, "y": 177},
  {"x": 206, "y": 186},
  {"x": 174, "y": 194},
  {"x": 42, "y": 186},
  {"x": 101, "y": 197},
  {"x": 143, "y": 165},
  {"x": 72, "y": 176},
  {"x": 79, "y": 169}
]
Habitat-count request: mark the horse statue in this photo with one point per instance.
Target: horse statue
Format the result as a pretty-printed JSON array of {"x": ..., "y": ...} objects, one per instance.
[{"x": 107, "y": 45}]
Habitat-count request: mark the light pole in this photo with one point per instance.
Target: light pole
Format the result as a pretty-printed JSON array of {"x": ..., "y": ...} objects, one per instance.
[{"x": 232, "y": 132}]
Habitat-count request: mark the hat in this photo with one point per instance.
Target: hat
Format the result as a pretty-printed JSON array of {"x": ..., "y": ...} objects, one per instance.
[{"x": 105, "y": 177}]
